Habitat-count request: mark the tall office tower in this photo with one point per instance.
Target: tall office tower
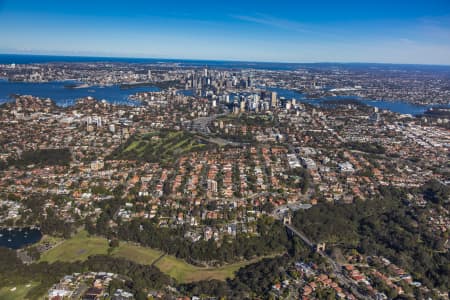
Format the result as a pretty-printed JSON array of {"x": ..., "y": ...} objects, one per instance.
[
  {"x": 255, "y": 102},
  {"x": 242, "y": 106},
  {"x": 149, "y": 76},
  {"x": 273, "y": 103},
  {"x": 206, "y": 72}
]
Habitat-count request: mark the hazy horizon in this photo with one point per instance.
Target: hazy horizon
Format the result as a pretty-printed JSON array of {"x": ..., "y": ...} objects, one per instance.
[{"x": 100, "y": 55}]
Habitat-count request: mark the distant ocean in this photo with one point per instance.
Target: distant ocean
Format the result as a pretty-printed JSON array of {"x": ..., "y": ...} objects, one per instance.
[
  {"x": 28, "y": 59},
  {"x": 32, "y": 59}
]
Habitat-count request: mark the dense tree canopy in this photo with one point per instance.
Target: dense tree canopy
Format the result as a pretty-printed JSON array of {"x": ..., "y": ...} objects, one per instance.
[
  {"x": 386, "y": 227},
  {"x": 272, "y": 238},
  {"x": 42, "y": 157}
]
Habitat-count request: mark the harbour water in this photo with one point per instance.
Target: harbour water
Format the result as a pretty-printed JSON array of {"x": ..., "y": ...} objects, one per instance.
[
  {"x": 16, "y": 238},
  {"x": 63, "y": 96},
  {"x": 401, "y": 107}
]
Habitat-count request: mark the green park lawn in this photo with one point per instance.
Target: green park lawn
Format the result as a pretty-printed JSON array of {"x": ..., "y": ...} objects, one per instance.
[
  {"x": 166, "y": 148},
  {"x": 184, "y": 272},
  {"x": 81, "y": 246},
  {"x": 19, "y": 293},
  {"x": 141, "y": 255}
]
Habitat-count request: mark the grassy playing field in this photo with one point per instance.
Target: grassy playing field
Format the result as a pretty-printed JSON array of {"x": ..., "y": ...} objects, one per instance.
[
  {"x": 81, "y": 246},
  {"x": 159, "y": 146},
  {"x": 184, "y": 272},
  {"x": 15, "y": 292},
  {"x": 142, "y": 255}
]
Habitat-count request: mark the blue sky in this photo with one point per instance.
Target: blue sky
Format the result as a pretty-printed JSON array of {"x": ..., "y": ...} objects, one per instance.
[{"x": 394, "y": 31}]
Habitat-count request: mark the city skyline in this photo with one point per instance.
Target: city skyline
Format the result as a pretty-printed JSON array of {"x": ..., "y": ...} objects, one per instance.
[
  {"x": 225, "y": 150},
  {"x": 382, "y": 32}
]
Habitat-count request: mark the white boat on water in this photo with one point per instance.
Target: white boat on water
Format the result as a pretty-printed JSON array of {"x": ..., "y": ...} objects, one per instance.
[{"x": 1, "y": 235}]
